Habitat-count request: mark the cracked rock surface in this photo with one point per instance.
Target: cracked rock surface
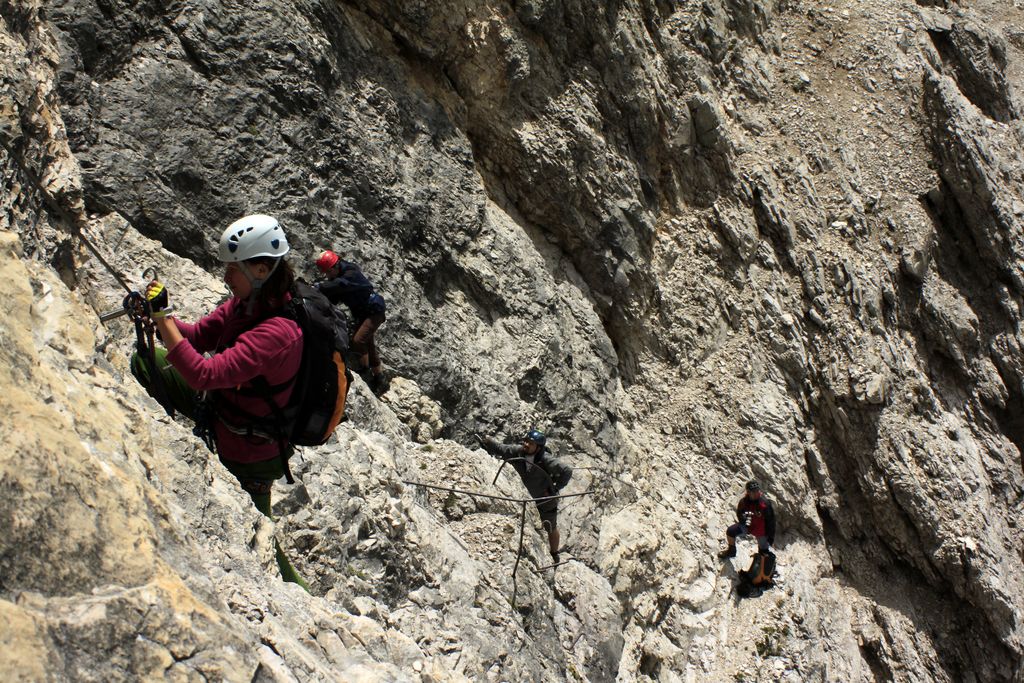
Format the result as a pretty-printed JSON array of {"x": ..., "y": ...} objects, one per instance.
[{"x": 696, "y": 242}]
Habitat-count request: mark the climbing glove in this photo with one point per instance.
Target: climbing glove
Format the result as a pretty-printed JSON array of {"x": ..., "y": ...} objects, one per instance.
[{"x": 159, "y": 300}]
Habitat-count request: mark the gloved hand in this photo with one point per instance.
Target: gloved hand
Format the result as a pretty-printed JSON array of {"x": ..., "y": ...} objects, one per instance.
[{"x": 159, "y": 300}]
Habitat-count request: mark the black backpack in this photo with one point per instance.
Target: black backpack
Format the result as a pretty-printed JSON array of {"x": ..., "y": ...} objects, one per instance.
[
  {"x": 317, "y": 401},
  {"x": 760, "y": 576}
]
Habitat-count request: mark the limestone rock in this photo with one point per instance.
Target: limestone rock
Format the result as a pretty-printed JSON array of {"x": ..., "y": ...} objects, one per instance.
[
  {"x": 694, "y": 242},
  {"x": 421, "y": 414}
]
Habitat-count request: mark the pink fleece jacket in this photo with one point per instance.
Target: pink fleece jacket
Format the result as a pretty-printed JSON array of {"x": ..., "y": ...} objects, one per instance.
[{"x": 245, "y": 348}]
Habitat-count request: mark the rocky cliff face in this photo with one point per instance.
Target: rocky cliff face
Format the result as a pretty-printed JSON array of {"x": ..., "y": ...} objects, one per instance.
[{"x": 696, "y": 242}]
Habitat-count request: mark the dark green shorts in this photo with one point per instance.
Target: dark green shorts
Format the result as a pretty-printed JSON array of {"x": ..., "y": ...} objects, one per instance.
[{"x": 263, "y": 470}]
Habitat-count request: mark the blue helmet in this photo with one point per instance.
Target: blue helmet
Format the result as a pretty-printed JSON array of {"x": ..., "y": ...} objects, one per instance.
[{"x": 536, "y": 436}]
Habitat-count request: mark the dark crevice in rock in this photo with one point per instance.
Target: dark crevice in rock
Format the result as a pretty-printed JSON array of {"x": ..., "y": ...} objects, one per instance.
[
  {"x": 105, "y": 32},
  {"x": 775, "y": 227},
  {"x": 958, "y": 261},
  {"x": 193, "y": 54},
  {"x": 977, "y": 60},
  {"x": 846, "y": 446},
  {"x": 650, "y": 665},
  {"x": 20, "y": 17},
  {"x": 1010, "y": 418},
  {"x": 876, "y": 659},
  {"x": 970, "y": 169}
]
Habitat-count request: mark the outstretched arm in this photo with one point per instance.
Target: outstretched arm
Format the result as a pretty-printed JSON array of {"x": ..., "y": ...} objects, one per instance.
[
  {"x": 499, "y": 450},
  {"x": 265, "y": 346}
]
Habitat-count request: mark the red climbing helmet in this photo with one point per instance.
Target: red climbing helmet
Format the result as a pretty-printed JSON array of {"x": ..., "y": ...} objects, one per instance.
[{"x": 326, "y": 261}]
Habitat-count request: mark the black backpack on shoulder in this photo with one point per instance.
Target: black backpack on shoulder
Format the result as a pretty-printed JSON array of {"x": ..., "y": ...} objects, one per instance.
[{"x": 317, "y": 401}]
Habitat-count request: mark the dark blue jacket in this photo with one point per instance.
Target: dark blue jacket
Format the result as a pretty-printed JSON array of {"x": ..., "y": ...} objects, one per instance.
[
  {"x": 352, "y": 289},
  {"x": 546, "y": 476}
]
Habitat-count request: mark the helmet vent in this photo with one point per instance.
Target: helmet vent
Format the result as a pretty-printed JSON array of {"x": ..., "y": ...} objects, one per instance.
[{"x": 252, "y": 236}]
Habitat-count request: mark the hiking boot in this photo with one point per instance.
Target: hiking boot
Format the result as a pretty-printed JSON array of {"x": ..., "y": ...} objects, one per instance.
[
  {"x": 727, "y": 553},
  {"x": 378, "y": 385},
  {"x": 554, "y": 557}
]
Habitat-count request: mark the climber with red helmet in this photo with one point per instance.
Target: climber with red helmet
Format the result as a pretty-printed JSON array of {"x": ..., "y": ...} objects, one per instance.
[{"x": 345, "y": 283}]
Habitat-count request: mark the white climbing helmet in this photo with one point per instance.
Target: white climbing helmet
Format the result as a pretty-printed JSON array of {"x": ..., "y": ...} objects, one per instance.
[{"x": 252, "y": 236}]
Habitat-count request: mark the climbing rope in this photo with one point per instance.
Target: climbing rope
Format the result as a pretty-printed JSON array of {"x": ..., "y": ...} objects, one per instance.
[
  {"x": 134, "y": 304},
  {"x": 510, "y": 499},
  {"x": 73, "y": 220},
  {"x": 523, "y": 502}
]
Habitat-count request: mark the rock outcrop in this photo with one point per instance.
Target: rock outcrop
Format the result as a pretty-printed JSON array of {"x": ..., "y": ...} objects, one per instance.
[{"x": 695, "y": 242}]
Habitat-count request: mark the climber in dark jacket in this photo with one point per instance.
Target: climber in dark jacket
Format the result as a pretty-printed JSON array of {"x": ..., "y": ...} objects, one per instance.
[
  {"x": 754, "y": 516},
  {"x": 346, "y": 284},
  {"x": 541, "y": 473}
]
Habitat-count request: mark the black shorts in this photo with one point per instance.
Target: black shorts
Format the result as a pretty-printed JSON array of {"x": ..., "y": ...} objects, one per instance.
[{"x": 549, "y": 518}]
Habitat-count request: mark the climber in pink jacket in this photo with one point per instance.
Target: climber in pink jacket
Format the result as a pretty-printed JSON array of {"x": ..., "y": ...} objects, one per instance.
[
  {"x": 249, "y": 344},
  {"x": 245, "y": 347}
]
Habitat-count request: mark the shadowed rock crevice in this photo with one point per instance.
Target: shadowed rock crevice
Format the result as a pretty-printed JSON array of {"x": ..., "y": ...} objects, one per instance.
[
  {"x": 868, "y": 539},
  {"x": 977, "y": 59}
]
